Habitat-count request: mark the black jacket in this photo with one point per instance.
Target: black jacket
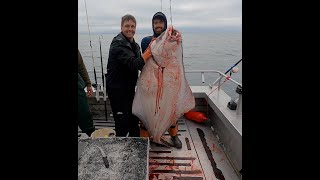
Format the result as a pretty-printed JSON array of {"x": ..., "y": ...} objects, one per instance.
[{"x": 123, "y": 63}]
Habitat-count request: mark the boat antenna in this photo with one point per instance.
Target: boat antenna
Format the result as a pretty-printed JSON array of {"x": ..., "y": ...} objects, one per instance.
[
  {"x": 94, "y": 67},
  {"x": 105, "y": 103}
]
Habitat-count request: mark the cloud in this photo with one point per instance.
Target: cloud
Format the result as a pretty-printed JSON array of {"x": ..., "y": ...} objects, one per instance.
[{"x": 105, "y": 15}]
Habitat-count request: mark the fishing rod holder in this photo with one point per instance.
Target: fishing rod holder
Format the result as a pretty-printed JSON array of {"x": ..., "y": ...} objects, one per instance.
[
  {"x": 100, "y": 89},
  {"x": 239, "y": 107},
  {"x": 236, "y": 104}
]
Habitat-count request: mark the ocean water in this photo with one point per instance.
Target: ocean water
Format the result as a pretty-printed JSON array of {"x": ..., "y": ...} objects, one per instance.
[{"x": 201, "y": 51}]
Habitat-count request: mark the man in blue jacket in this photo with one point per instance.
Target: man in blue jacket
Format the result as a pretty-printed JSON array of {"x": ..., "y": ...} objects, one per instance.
[{"x": 159, "y": 25}]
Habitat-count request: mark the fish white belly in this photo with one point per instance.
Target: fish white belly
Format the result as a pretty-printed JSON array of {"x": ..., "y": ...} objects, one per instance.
[{"x": 163, "y": 94}]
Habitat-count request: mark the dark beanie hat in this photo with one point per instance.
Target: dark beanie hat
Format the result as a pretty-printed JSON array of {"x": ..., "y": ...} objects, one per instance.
[{"x": 161, "y": 16}]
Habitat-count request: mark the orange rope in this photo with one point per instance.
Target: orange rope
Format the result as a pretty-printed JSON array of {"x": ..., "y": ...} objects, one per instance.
[{"x": 227, "y": 78}]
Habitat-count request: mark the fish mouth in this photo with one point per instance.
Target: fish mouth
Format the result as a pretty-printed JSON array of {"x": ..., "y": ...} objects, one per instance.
[{"x": 173, "y": 35}]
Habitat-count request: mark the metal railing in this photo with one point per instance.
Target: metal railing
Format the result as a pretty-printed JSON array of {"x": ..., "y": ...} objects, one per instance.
[
  {"x": 218, "y": 80},
  {"x": 202, "y": 72},
  {"x": 212, "y": 71}
]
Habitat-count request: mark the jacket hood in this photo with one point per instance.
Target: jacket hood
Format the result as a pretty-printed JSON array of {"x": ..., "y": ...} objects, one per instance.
[{"x": 161, "y": 16}]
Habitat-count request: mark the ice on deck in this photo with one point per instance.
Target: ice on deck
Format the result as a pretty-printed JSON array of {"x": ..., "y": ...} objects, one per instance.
[{"x": 127, "y": 157}]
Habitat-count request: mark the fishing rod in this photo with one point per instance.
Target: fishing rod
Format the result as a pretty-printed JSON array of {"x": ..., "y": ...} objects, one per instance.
[
  {"x": 233, "y": 66},
  {"x": 94, "y": 67},
  {"x": 170, "y": 13},
  {"x": 101, "y": 61},
  {"x": 105, "y": 102}
]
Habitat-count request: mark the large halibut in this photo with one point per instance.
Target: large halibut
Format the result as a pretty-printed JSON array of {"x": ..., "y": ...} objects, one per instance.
[{"x": 163, "y": 94}]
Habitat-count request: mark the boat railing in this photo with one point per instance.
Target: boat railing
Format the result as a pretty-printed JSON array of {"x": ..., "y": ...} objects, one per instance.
[
  {"x": 218, "y": 80},
  {"x": 217, "y": 83}
]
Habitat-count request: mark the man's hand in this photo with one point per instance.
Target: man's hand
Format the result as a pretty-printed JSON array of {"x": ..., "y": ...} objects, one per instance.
[
  {"x": 175, "y": 33},
  {"x": 89, "y": 91},
  {"x": 147, "y": 54}
]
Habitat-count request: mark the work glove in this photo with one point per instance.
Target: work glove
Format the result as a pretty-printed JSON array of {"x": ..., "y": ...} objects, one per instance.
[
  {"x": 89, "y": 90},
  {"x": 147, "y": 54}
]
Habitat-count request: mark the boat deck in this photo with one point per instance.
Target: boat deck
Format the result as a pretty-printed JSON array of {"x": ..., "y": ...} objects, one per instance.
[{"x": 200, "y": 157}]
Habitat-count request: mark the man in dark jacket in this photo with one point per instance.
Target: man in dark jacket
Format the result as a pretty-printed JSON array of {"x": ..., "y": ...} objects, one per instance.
[
  {"x": 85, "y": 120},
  {"x": 159, "y": 25},
  {"x": 122, "y": 73}
]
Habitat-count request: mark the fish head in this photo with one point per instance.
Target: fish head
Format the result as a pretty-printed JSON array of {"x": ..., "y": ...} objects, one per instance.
[{"x": 167, "y": 43}]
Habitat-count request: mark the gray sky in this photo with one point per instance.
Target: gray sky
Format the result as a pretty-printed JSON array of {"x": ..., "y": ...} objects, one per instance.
[{"x": 187, "y": 15}]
